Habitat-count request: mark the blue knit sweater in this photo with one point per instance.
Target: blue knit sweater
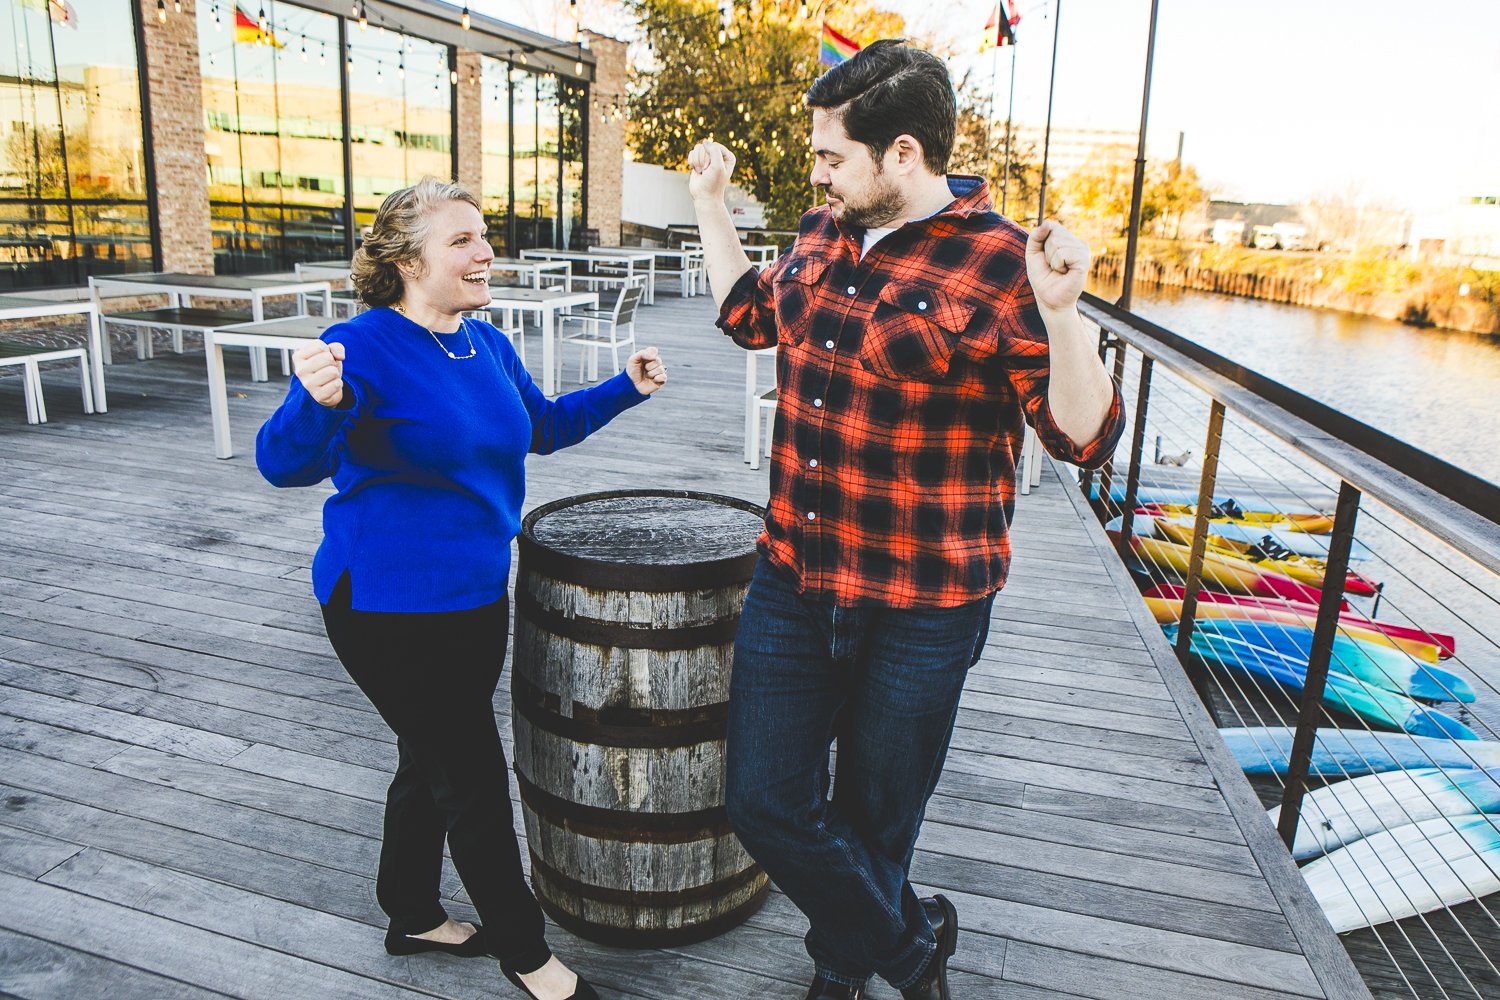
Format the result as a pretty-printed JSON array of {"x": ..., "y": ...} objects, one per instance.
[{"x": 427, "y": 454}]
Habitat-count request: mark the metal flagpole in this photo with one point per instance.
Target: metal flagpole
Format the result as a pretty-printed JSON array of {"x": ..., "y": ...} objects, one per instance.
[
  {"x": 1136, "y": 190},
  {"x": 989, "y": 122},
  {"x": 1010, "y": 110},
  {"x": 1041, "y": 202}
]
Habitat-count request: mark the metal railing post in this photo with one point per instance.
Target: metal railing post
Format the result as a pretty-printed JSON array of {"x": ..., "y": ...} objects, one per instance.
[
  {"x": 1086, "y": 477},
  {"x": 1309, "y": 713},
  {"x": 1137, "y": 443},
  {"x": 1107, "y": 471},
  {"x": 1198, "y": 673}
]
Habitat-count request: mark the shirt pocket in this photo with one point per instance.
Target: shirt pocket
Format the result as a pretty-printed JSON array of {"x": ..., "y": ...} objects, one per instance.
[
  {"x": 796, "y": 290},
  {"x": 914, "y": 332}
]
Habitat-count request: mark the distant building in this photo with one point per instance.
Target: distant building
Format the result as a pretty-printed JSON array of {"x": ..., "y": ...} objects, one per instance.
[
  {"x": 1468, "y": 232},
  {"x": 1071, "y": 148}
]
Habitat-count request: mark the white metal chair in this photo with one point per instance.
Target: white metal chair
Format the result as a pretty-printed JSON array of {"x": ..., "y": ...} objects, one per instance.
[
  {"x": 28, "y": 357},
  {"x": 758, "y": 403},
  {"x": 1030, "y": 472},
  {"x": 612, "y": 328}
]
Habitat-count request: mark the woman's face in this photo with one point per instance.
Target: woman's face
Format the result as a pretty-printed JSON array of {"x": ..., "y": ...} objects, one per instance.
[{"x": 456, "y": 262}]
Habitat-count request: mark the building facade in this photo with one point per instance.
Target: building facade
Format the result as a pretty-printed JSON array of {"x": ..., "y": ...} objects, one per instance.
[{"x": 210, "y": 135}]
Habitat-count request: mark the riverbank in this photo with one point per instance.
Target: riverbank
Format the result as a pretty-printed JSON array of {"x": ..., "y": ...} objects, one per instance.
[{"x": 1421, "y": 295}]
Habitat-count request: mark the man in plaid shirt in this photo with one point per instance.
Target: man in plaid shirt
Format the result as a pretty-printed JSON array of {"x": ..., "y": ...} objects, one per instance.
[{"x": 916, "y": 330}]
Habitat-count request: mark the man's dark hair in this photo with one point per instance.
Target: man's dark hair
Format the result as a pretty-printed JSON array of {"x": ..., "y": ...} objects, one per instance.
[{"x": 889, "y": 89}]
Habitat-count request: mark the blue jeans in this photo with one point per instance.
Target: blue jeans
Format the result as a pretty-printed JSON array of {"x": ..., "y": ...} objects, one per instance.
[{"x": 885, "y": 683}]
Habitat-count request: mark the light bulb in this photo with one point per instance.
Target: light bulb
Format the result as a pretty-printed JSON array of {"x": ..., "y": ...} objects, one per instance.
[
  {"x": 464, "y": 20},
  {"x": 453, "y": 77}
]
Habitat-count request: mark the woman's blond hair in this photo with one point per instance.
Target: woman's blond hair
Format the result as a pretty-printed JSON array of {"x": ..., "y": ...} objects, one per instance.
[{"x": 396, "y": 236}]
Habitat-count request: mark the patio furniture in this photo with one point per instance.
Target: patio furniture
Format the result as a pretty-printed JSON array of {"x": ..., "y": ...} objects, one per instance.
[
  {"x": 546, "y": 304},
  {"x": 687, "y": 265},
  {"x": 28, "y": 357},
  {"x": 758, "y": 403},
  {"x": 285, "y": 334},
  {"x": 31, "y": 307},
  {"x": 612, "y": 328},
  {"x": 593, "y": 262},
  {"x": 180, "y": 316}
]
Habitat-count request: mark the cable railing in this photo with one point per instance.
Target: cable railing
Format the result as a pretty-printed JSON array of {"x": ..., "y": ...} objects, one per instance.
[{"x": 1333, "y": 594}]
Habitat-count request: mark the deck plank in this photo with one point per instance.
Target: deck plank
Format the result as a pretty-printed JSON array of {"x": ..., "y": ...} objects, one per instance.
[{"x": 186, "y": 771}]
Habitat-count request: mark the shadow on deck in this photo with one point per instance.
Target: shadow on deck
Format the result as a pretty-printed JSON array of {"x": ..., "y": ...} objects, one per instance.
[{"x": 192, "y": 788}]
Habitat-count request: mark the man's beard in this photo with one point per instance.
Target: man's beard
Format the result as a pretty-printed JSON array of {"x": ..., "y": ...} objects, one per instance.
[{"x": 881, "y": 206}]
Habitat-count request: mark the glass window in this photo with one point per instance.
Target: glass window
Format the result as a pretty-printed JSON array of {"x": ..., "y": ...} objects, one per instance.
[
  {"x": 273, "y": 135},
  {"x": 72, "y": 163},
  {"x": 401, "y": 114},
  {"x": 574, "y": 105},
  {"x": 495, "y": 169}
]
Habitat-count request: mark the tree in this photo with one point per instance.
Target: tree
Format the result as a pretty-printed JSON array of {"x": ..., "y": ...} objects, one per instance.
[
  {"x": 738, "y": 78},
  {"x": 979, "y": 148},
  {"x": 1097, "y": 195}
]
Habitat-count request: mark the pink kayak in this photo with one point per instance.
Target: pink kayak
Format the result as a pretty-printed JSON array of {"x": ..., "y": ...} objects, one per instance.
[{"x": 1304, "y": 606}]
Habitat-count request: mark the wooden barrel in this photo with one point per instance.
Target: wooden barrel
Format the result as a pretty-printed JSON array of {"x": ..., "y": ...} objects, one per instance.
[{"x": 626, "y": 608}]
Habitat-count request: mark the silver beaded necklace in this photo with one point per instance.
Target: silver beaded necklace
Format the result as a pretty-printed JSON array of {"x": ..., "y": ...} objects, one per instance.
[{"x": 439, "y": 342}]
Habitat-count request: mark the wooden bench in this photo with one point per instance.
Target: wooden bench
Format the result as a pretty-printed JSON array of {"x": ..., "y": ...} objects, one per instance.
[{"x": 28, "y": 357}]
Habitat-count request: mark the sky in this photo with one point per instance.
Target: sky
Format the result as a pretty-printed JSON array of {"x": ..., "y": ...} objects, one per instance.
[{"x": 1376, "y": 100}]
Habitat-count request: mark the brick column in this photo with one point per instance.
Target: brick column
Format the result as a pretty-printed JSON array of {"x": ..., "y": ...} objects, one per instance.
[
  {"x": 175, "y": 90},
  {"x": 606, "y": 152},
  {"x": 469, "y": 134}
]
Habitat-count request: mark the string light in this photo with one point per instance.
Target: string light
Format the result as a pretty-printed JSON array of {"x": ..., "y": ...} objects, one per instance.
[
  {"x": 464, "y": 19},
  {"x": 354, "y": 9},
  {"x": 177, "y": 6},
  {"x": 364, "y": 16},
  {"x": 453, "y": 77},
  {"x": 401, "y": 67},
  {"x": 161, "y": 11},
  {"x": 261, "y": 21}
]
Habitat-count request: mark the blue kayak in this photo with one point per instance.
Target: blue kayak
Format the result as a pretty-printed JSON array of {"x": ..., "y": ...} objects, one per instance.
[
  {"x": 1341, "y": 753},
  {"x": 1381, "y": 666},
  {"x": 1342, "y": 692}
]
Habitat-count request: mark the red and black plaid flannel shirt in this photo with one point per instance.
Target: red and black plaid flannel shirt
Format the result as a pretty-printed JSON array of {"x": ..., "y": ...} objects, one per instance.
[{"x": 903, "y": 379}]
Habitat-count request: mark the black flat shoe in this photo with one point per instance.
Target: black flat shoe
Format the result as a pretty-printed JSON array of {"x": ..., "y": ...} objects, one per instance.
[
  {"x": 822, "y": 989},
  {"x": 933, "y": 985},
  {"x": 582, "y": 991},
  {"x": 404, "y": 944}
]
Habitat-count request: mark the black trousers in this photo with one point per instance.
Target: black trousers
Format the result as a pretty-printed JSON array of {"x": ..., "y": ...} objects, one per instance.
[{"x": 432, "y": 677}]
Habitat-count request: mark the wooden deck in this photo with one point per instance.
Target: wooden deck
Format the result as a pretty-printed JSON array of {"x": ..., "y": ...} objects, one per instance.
[{"x": 191, "y": 788}]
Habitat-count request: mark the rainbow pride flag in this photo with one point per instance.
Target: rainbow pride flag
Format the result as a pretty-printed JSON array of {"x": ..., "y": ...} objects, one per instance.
[{"x": 836, "y": 48}]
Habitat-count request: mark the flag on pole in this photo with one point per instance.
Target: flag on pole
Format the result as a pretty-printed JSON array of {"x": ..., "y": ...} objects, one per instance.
[
  {"x": 247, "y": 29},
  {"x": 1000, "y": 32},
  {"x": 835, "y": 48}
]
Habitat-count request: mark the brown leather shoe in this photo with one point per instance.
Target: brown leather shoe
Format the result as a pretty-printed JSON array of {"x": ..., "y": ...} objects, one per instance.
[
  {"x": 822, "y": 989},
  {"x": 933, "y": 985}
]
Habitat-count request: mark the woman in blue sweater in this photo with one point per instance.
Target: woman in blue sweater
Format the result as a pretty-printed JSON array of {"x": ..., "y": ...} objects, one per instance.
[{"x": 423, "y": 419}]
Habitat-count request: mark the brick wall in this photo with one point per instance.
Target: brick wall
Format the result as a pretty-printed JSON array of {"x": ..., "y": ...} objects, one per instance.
[
  {"x": 175, "y": 90},
  {"x": 469, "y": 134},
  {"x": 606, "y": 154}
]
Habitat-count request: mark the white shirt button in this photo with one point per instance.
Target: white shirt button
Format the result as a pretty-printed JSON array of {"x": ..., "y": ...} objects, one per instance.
[
  {"x": 817, "y": 402},
  {"x": 828, "y": 344},
  {"x": 850, "y": 289},
  {"x": 812, "y": 463},
  {"x": 794, "y": 270},
  {"x": 921, "y": 305},
  {"x": 811, "y": 516}
]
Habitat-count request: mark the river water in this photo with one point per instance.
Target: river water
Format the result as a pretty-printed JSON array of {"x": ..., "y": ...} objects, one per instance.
[{"x": 1436, "y": 389}]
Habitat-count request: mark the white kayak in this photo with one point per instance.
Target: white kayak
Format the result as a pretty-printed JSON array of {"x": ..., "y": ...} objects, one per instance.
[
  {"x": 1412, "y": 869},
  {"x": 1346, "y": 811}
]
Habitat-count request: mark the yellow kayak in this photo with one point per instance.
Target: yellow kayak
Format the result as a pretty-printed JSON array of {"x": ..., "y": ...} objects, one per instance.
[
  {"x": 1303, "y": 569},
  {"x": 1313, "y": 524}
]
